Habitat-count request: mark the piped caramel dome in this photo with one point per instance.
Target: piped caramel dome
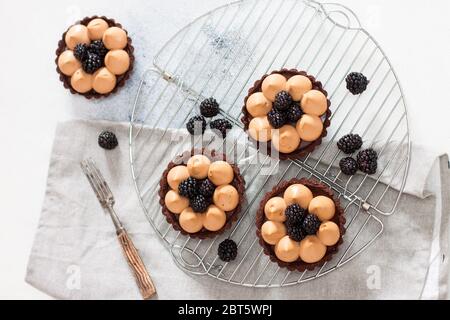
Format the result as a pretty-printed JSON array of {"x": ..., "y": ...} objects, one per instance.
[
  {"x": 273, "y": 231},
  {"x": 260, "y": 129},
  {"x": 220, "y": 173},
  {"x": 323, "y": 207},
  {"x": 81, "y": 81},
  {"x": 176, "y": 175},
  {"x": 272, "y": 85},
  {"x": 226, "y": 197},
  {"x": 67, "y": 63},
  {"x": 287, "y": 250},
  {"x": 274, "y": 209},
  {"x": 297, "y": 86},
  {"x": 329, "y": 233},
  {"x": 104, "y": 81},
  {"x": 311, "y": 249},
  {"x": 299, "y": 194},
  {"x": 309, "y": 127},
  {"x": 258, "y": 105},
  {"x": 96, "y": 28},
  {"x": 214, "y": 218},
  {"x": 117, "y": 61},
  {"x": 75, "y": 35},
  {"x": 175, "y": 203},
  {"x": 198, "y": 166},
  {"x": 314, "y": 102},
  {"x": 190, "y": 221},
  {"x": 115, "y": 38},
  {"x": 286, "y": 139}
]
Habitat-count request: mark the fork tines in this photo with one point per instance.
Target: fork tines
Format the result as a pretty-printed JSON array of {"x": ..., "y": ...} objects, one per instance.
[{"x": 97, "y": 182}]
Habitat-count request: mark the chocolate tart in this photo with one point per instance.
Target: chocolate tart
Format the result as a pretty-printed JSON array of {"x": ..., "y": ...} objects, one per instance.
[
  {"x": 305, "y": 147},
  {"x": 120, "y": 79},
  {"x": 238, "y": 182},
  {"x": 318, "y": 189}
]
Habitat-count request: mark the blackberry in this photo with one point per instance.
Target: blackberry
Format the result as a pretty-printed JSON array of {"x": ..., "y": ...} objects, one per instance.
[
  {"x": 367, "y": 161},
  {"x": 294, "y": 113},
  {"x": 207, "y": 188},
  {"x": 92, "y": 63},
  {"x": 209, "y": 108},
  {"x": 97, "y": 47},
  {"x": 107, "y": 140},
  {"x": 276, "y": 118},
  {"x": 283, "y": 101},
  {"x": 294, "y": 214},
  {"x": 227, "y": 250},
  {"x": 350, "y": 143},
  {"x": 356, "y": 83},
  {"x": 221, "y": 125},
  {"x": 80, "y": 52},
  {"x": 348, "y": 166},
  {"x": 295, "y": 232},
  {"x": 199, "y": 203},
  {"x": 195, "y": 125},
  {"x": 311, "y": 224},
  {"x": 188, "y": 188}
]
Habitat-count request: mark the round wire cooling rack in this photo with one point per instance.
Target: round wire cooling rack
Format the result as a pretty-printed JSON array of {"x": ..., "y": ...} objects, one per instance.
[{"x": 221, "y": 54}]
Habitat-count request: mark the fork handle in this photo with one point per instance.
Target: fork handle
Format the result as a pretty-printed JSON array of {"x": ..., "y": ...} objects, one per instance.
[{"x": 141, "y": 275}]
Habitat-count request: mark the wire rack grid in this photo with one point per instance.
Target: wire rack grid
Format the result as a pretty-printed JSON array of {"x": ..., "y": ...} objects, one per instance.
[{"x": 221, "y": 54}]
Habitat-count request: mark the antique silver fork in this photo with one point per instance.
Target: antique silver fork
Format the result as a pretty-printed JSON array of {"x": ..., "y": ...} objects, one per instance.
[{"x": 106, "y": 199}]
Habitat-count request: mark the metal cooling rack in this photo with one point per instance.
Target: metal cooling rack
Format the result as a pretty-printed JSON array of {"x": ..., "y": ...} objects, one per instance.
[{"x": 221, "y": 54}]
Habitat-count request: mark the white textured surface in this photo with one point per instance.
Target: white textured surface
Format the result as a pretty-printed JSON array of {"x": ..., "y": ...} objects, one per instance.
[{"x": 414, "y": 35}]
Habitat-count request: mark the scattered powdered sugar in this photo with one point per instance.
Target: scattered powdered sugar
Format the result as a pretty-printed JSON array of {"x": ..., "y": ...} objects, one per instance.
[{"x": 229, "y": 43}]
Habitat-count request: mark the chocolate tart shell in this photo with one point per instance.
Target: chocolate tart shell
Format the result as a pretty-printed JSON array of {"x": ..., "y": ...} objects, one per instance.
[
  {"x": 318, "y": 189},
  {"x": 302, "y": 150},
  {"x": 238, "y": 182},
  {"x": 120, "y": 79}
]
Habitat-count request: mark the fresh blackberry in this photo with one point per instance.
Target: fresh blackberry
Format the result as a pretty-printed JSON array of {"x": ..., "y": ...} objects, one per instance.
[
  {"x": 276, "y": 118},
  {"x": 295, "y": 232},
  {"x": 367, "y": 161},
  {"x": 98, "y": 48},
  {"x": 209, "y": 108},
  {"x": 294, "y": 113},
  {"x": 92, "y": 63},
  {"x": 356, "y": 82},
  {"x": 188, "y": 188},
  {"x": 294, "y": 214},
  {"x": 196, "y": 125},
  {"x": 80, "y": 52},
  {"x": 311, "y": 224},
  {"x": 350, "y": 143},
  {"x": 207, "y": 188},
  {"x": 348, "y": 166},
  {"x": 283, "y": 101},
  {"x": 199, "y": 203},
  {"x": 221, "y": 125},
  {"x": 227, "y": 250},
  {"x": 107, "y": 140}
]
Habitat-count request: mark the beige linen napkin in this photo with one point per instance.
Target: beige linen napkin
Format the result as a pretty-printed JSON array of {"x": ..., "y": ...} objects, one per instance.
[{"x": 76, "y": 254}]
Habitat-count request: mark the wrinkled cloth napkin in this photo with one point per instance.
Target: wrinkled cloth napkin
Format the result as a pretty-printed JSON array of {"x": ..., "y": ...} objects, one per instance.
[{"x": 76, "y": 254}]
